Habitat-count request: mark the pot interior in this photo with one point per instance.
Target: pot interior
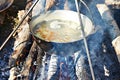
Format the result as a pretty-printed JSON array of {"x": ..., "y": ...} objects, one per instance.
[{"x": 60, "y": 26}]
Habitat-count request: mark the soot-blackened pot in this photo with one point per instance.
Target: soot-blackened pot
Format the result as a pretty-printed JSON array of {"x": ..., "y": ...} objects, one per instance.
[{"x": 64, "y": 48}]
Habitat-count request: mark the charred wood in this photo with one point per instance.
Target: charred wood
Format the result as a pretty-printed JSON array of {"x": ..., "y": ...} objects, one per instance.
[
  {"x": 29, "y": 61},
  {"x": 38, "y": 62},
  {"x": 22, "y": 46},
  {"x": 22, "y": 40}
]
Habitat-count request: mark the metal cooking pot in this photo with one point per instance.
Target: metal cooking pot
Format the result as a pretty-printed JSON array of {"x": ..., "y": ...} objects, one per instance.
[
  {"x": 4, "y": 4},
  {"x": 65, "y": 48}
]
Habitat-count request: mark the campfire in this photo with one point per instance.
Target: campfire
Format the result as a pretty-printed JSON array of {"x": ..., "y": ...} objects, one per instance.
[{"x": 27, "y": 57}]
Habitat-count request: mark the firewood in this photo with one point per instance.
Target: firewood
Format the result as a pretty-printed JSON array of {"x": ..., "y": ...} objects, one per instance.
[
  {"x": 22, "y": 38},
  {"x": 112, "y": 2},
  {"x": 116, "y": 45},
  {"x": 108, "y": 18},
  {"x": 29, "y": 61},
  {"x": 38, "y": 62},
  {"x": 49, "y": 4},
  {"x": 20, "y": 44},
  {"x": 66, "y": 5},
  {"x": 13, "y": 73}
]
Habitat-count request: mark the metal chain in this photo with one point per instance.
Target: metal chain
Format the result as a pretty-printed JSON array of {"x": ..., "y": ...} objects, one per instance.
[{"x": 85, "y": 41}]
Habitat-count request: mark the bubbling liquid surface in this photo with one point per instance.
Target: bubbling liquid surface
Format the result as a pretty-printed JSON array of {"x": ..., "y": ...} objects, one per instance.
[{"x": 58, "y": 31}]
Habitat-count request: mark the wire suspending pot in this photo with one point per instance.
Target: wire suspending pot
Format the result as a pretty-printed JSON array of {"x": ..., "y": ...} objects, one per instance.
[{"x": 60, "y": 30}]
